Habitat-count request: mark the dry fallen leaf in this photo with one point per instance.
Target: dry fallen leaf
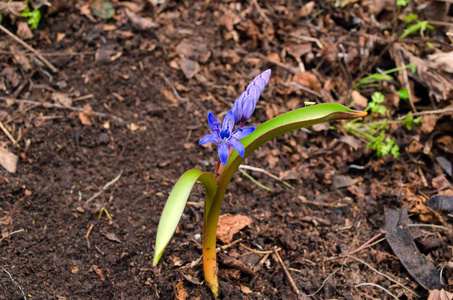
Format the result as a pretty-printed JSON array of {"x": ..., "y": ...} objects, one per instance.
[
  {"x": 359, "y": 100},
  {"x": 8, "y": 160},
  {"x": 180, "y": 292},
  {"x": 308, "y": 80},
  {"x": 307, "y": 9},
  {"x": 61, "y": 98},
  {"x": 111, "y": 236},
  {"x": 98, "y": 272},
  {"x": 440, "y": 295},
  {"x": 24, "y": 31},
  {"x": 189, "y": 67},
  {"x": 74, "y": 270},
  {"x": 229, "y": 225},
  {"x": 12, "y": 8},
  {"x": 140, "y": 23}
]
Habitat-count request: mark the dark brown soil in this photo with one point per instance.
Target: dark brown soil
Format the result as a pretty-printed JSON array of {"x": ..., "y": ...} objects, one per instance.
[{"x": 151, "y": 119}]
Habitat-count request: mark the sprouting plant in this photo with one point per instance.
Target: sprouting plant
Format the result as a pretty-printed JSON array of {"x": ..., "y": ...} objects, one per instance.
[
  {"x": 33, "y": 16},
  {"x": 373, "y": 79},
  {"x": 375, "y": 132},
  {"x": 234, "y": 144},
  {"x": 421, "y": 26}
]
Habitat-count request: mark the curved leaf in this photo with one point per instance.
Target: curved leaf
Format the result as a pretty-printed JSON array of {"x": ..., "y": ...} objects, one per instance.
[
  {"x": 282, "y": 124},
  {"x": 175, "y": 205}
]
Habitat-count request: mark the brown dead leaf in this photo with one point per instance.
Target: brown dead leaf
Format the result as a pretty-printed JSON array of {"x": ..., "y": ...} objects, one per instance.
[
  {"x": 229, "y": 19},
  {"x": 429, "y": 122},
  {"x": 111, "y": 236},
  {"x": 415, "y": 147},
  {"x": 180, "y": 292},
  {"x": 308, "y": 80},
  {"x": 442, "y": 61},
  {"x": 446, "y": 143},
  {"x": 359, "y": 100},
  {"x": 441, "y": 182},
  {"x": 62, "y": 99},
  {"x": 6, "y": 224},
  {"x": 194, "y": 50},
  {"x": 440, "y": 295},
  {"x": 24, "y": 31},
  {"x": 140, "y": 23},
  {"x": 8, "y": 160},
  {"x": 74, "y": 270},
  {"x": 229, "y": 225},
  {"x": 246, "y": 290},
  {"x": 170, "y": 96},
  {"x": 307, "y": 9},
  {"x": 297, "y": 50},
  {"x": 12, "y": 8},
  {"x": 86, "y": 115},
  {"x": 189, "y": 67},
  {"x": 98, "y": 271}
]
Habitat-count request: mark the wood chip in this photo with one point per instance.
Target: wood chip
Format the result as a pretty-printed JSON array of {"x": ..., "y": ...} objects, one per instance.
[{"x": 8, "y": 160}]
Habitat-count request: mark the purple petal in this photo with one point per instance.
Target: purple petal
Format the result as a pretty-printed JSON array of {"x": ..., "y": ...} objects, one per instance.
[
  {"x": 260, "y": 83},
  {"x": 248, "y": 107},
  {"x": 228, "y": 122},
  {"x": 254, "y": 91},
  {"x": 209, "y": 138},
  {"x": 236, "y": 145},
  {"x": 237, "y": 109},
  {"x": 243, "y": 132},
  {"x": 214, "y": 124},
  {"x": 266, "y": 75},
  {"x": 223, "y": 150}
]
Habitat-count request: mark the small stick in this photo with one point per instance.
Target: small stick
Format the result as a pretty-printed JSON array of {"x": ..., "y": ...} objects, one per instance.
[
  {"x": 258, "y": 251},
  {"x": 267, "y": 173},
  {"x": 11, "y": 277},
  {"x": 368, "y": 242},
  {"x": 88, "y": 235},
  {"x": 11, "y": 233},
  {"x": 17, "y": 39},
  {"x": 105, "y": 187},
  {"x": 228, "y": 245},
  {"x": 8, "y": 134},
  {"x": 290, "y": 279},
  {"x": 427, "y": 112},
  {"x": 378, "y": 286},
  {"x": 56, "y": 105}
]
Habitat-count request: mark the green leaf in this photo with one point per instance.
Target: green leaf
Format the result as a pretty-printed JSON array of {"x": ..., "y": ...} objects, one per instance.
[
  {"x": 411, "y": 18},
  {"x": 294, "y": 120},
  {"x": 175, "y": 205},
  {"x": 403, "y": 93}
]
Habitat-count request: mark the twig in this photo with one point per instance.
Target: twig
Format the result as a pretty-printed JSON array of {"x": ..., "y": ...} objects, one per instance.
[
  {"x": 17, "y": 39},
  {"x": 368, "y": 242},
  {"x": 385, "y": 275},
  {"x": 105, "y": 187},
  {"x": 56, "y": 105},
  {"x": 404, "y": 76},
  {"x": 304, "y": 200},
  {"x": 228, "y": 245},
  {"x": 427, "y": 112},
  {"x": 267, "y": 173},
  {"x": 301, "y": 87},
  {"x": 259, "y": 251},
  {"x": 11, "y": 277},
  {"x": 11, "y": 233},
  {"x": 290, "y": 279},
  {"x": 430, "y": 225},
  {"x": 323, "y": 283},
  {"x": 88, "y": 235},
  {"x": 260, "y": 11},
  {"x": 8, "y": 134},
  {"x": 254, "y": 180},
  {"x": 173, "y": 89},
  {"x": 378, "y": 286}
]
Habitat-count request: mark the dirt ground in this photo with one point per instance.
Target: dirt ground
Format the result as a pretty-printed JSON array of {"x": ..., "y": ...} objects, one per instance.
[{"x": 126, "y": 104}]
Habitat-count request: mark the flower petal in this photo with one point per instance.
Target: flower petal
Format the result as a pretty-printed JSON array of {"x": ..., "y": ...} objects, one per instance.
[
  {"x": 223, "y": 150},
  {"x": 243, "y": 132},
  {"x": 248, "y": 108},
  {"x": 237, "y": 109},
  {"x": 236, "y": 145},
  {"x": 214, "y": 124},
  {"x": 254, "y": 92},
  {"x": 209, "y": 138},
  {"x": 228, "y": 122},
  {"x": 266, "y": 75}
]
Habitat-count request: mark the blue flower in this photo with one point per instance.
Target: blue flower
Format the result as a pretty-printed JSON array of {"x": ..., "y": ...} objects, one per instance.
[
  {"x": 223, "y": 135},
  {"x": 244, "y": 106}
]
